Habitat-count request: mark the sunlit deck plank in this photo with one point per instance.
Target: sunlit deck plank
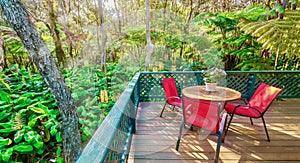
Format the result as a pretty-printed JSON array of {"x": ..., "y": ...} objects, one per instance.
[{"x": 155, "y": 138}]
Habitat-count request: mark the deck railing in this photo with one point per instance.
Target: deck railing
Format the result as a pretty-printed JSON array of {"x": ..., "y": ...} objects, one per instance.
[
  {"x": 111, "y": 141},
  {"x": 246, "y": 82}
]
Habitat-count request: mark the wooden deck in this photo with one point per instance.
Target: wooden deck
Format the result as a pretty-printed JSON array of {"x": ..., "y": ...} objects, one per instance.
[{"x": 156, "y": 137}]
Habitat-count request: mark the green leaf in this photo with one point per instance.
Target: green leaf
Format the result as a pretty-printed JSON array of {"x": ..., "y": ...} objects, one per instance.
[
  {"x": 295, "y": 2},
  {"x": 7, "y": 154},
  {"x": 58, "y": 152},
  {"x": 4, "y": 115},
  {"x": 279, "y": 9},
  {"x": 36, "y": 110},
  {"x": 2, "y": 107},
  {"x": 75, "y": 96},
  {"x": 5, "y": 97},
  {"x": 49, "y": 124},
  {"x": 23, "y": 147},
  {"x": 7, "y": 130},
  {"x": 38, "y": 144},
  {"x": 58, "y": 137},
  {"x": 40, "y": 151},
  {"x": 20, "y": 86},
  {"x": 30, "y": 136},
  {"x": 6, "y": 85},
  {"x": 29, "y": 94},
  {"x": 47, "y": 136},
  {"x": 59, "y": 160},
  {"x": 18, "y": 136},
  {"x": 45, "y": 108},
  {"x": 22, "y": 102},
  {"x": 32, "y": 122},
  {"x": 4, "y": 142},
  {"x": 34, "y": 138},
  {"x": 53, "y": 132}
]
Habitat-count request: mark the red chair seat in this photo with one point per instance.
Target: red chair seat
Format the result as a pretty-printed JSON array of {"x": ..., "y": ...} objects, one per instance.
[
  {"x": 175, "y": 101},
  {"x": 242, "y": 110}
]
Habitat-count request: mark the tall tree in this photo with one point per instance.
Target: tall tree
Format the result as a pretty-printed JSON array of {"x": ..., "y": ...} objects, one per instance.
[
  {"x": 60, "y": 54},
  {"x": 19, "y": 20},
  {"x": 150, "y": 46},
  {"x": 66, "y": 29},
  {"x": 103, "y": 36},
  {"x": 2, "y": 53}
]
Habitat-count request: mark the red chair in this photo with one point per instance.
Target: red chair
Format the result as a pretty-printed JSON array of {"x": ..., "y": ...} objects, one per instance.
[
  {"x": 171, "y": 93},
  {"x": 257, "y": 105},
  {"x": 205, "y": 115}
]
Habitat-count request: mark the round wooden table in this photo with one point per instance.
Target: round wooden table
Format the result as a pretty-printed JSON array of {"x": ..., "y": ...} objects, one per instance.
[{"x": 221, "y": 93}]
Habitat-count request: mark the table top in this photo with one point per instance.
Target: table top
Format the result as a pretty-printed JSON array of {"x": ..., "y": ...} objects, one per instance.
[{"x": 221, "y": 93}]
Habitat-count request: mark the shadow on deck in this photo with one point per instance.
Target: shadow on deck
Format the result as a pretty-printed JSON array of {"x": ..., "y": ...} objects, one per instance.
[{"x": 156, "y": 137}]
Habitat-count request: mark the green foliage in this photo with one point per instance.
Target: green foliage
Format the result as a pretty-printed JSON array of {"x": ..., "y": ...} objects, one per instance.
[
  {"x": 29, "y": 106},
  {"x": 30, "y": 119},
  {"x": 14, "y": 49},
  {"x": 247, "y": 40},
  {"x": 277, "y": 36},
  {"x": 295, "y": 2},
  {"x": 256, "y": 12}
]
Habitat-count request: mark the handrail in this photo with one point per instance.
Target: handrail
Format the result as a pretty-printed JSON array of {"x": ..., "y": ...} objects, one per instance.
[{"x": 104, "y": 144}]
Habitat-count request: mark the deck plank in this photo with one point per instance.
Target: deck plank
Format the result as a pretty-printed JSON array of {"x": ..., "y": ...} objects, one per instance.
[{"x": 156, "y": 137}]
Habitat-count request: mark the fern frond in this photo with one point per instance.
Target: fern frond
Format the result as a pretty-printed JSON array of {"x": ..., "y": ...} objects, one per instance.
[
  {"x": 259, "y": 31},
  {"x": 18, "y": 121},
  {"x": 251, "y": 27},
  {"x": 264, "y": 37},
  {"x": 270, "y": 41},
  {"x": 278, "y": 36}
]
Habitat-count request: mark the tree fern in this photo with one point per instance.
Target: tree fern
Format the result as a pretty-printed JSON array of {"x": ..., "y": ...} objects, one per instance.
[{"x": 277, "y": 36}]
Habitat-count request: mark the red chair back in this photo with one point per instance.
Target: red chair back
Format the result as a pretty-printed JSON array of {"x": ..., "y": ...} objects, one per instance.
[
  {"x": 170, "y": 88},
  {"x": 201, "y": 113},
  {"x": 263, "y": 97}
]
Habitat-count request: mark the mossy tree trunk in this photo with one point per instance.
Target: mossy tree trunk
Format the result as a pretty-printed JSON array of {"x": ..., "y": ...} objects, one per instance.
[
  {"x": 54, "y": 29},
  {"x": 2, "y": 53},
  {"x": 19, "y": 20}
]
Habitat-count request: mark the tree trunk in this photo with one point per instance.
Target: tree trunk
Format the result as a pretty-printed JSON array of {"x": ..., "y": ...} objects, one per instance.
[
  {"x": 189, "y": 17},
  {"x": 2, "y": 53},
  {"x": 164, "y": 12},
  {"x": 66, "y": 29},
  {"x": 150, "y": 46},
  {"x": 61, "y": 57},
  {"x": 103, "y": 37},
  {"x": 119, "y": 18},
  {"x": 17, "y": 16}
]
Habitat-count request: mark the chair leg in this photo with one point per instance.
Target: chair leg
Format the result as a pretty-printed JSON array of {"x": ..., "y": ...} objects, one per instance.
[
  {"x": 179, "y": 136},
  {"x": 192, "y": 128},
  {"x": 265, "y": 128},
  {"x": 251, "y": 121},
  {"x": 173, "y": 108},
  {"x": 221, "y": 137},
  {"x": 163, "y": 109},
  {"x": 224, "y": 129},
  {"x": 220, "y": 134},
  {"x": 228, "y": 125}
]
